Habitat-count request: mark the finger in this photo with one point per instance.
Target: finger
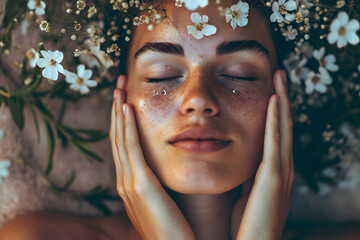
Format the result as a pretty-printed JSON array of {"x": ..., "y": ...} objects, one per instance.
[
  {"x": 120, "y": 137},
  {"x": 132, "y": 144},
  {"x": 121, "y": 82},
  {"x": 286, "y": 125},
  {"x": 271, "y": 156},
  {"x": 114, "y": 149}
]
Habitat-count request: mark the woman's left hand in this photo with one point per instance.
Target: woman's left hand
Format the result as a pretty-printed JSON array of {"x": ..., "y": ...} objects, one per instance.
[{"x": 268, "y": 202}]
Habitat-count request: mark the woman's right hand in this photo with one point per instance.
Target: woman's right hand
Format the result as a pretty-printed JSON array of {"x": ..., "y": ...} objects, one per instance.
[{"x": 151, "y": 210}]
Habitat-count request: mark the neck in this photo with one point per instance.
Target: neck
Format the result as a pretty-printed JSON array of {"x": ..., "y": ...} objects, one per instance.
[{"x": 211, "y": 216}]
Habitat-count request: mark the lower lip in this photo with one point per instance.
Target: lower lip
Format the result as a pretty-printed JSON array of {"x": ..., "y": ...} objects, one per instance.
[{"x": 201, "y": 146}]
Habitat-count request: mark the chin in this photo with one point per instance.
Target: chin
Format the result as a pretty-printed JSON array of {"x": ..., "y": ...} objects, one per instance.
[{"x": 200, "y": 184}]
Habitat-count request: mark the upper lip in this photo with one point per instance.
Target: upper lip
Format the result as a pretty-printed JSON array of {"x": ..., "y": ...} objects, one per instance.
[{"x": 197, "y": 133}]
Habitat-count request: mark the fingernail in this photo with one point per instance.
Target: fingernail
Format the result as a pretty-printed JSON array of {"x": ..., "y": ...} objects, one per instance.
[
  {"x": 120, "y": 82},
  {"x": 116, "y": 94},
  {"x": 124, "y": 107}
]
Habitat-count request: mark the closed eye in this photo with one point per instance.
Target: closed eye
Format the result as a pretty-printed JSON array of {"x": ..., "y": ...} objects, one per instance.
[
  {"x": 163, "y": 79},
  {"x": 238, "y": 78}
]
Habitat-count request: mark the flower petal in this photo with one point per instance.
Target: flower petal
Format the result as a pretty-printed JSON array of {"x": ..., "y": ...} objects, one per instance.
[
  {"x": 320, "y": 87},
  {"x": 46, "y": 54},
  {"x": 71, "y": 77},
  {"x": 91, "y": 83},
  {"x": 39, "y": 11},
  {"x": 233, "y": 23},
  {"x": 59, "y": 68},
  {"x": 205, "y": 18},
  {"x": 341, "y": 42},
  {"x": 290, "y": 6},
  {"x": 244, "y": 8},
  {"x": 343, "y": 18},
  {"x": 195, "y": 17},
  {"x": 42, "y": 62},
  {"x": 352, "y": 38},
  {"x": 54, "y": 74},
  {"x": 31, "y": 4},
  {"x": 80, "y": 70},
  {"x": 275, "y": 7},
  {"x": 332, "y": 37},
  {"x": 47, "y": 72},
  {"x": 59, "y": 57},
  {"x": 209, "y": 30},
  {"x": 242, "y": 22},
  {"x": 84, "y": 89},
  {"x": 353, "y": 25}
]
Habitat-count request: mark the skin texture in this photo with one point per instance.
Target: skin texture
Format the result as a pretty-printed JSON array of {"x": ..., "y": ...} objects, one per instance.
[{"x": 200, "y": 98}]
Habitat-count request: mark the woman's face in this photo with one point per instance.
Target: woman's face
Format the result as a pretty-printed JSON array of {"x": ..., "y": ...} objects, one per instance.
[{"x": 203, "y": 94}]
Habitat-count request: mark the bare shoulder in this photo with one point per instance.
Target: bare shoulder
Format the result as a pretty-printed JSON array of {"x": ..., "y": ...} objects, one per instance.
[{"x": 46, "y": 225}]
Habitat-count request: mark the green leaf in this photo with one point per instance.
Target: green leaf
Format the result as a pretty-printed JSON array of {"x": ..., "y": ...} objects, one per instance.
[
  {"x": 38, "y": 103},
  {"x": 35, "y": 122},
  {"x": 92, "y": 135},
  {"x": 50, "y": 147},
  {"x": 85, "y": 150},
  {"x": 16, "y": 110},
  {"x": 28, "y": 89},
  {"x": 69, "y": 182}
]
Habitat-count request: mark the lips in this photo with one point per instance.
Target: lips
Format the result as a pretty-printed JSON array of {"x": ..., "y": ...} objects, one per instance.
[{"x": 200, "y": 140}]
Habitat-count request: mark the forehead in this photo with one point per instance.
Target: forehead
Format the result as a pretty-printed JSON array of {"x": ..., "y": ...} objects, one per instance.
[{"x": 174, "y": 29}]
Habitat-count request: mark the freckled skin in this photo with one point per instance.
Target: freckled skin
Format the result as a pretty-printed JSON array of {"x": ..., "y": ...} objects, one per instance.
[{"x": 201, "y": 99}]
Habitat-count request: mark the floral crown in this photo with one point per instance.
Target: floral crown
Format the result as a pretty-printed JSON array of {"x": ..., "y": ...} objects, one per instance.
[{"x": 91, "y": 38}]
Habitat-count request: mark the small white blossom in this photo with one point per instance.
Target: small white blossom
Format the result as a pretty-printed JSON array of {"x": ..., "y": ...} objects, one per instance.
[
  {"x": 343, "y": 31},
  {"x": 306, "y": 4},
  {"x": 51, "y": 62},
  {"x": 299, "y": 72},
  {"x": 80, "y": 81},
  {"x": 33, "y": 56},
  {"x": 38, "y": 5},
  {"x": 317, "y": 82},
  {"x": 328, "y": 62},
  {"x": 194, "y": 4},
  {"x": 290, "y": 33},
  {"x": 280, "y": 9},
  {"x": 238, "y": 14},
  {"x": 307, "y": 49},
  {"x": 201, "y": 27},
  {"x": 4, "y": 172}
]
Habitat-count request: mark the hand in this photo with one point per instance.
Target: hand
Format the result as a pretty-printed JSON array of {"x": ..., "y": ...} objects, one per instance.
[
  {"x": 268, "y": 204},
  {"x": 151, "y": 210}
]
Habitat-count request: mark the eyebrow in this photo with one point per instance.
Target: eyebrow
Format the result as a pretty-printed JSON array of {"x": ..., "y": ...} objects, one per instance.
[{"x": 221, "y": 49}]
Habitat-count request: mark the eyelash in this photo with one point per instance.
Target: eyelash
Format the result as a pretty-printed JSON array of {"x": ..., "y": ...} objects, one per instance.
[{"x": 250, "y": 79}]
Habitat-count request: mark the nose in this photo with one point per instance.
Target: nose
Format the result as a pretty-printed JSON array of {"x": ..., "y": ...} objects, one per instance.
[{"x": 198, "y": 98}]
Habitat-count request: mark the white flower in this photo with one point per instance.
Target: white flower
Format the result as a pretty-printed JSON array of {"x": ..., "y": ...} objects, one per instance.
[
  {"x": 51, "y": 63},
  {"x": 307, "y": 49},
  {"x": 328, "y": 62},
  {"x": 318, "y": 82},
  {"x": 290, "y": 33},
  {"x": 194, "y": 4},
  {"x": 201, "y": 27},
  {"x": 4, "y": 172},
  {"x": 104, "y": 58},
  {"x": 81, "y": 81},
  {"x": 280, "y": 9},
  {"x": 33, "y": 56},
  {"x": 38, "y": 5},
  {"x": 343, "y": 31},
  {"x": 299, "y": 72},
  {"x": 238, "y": 14}
]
